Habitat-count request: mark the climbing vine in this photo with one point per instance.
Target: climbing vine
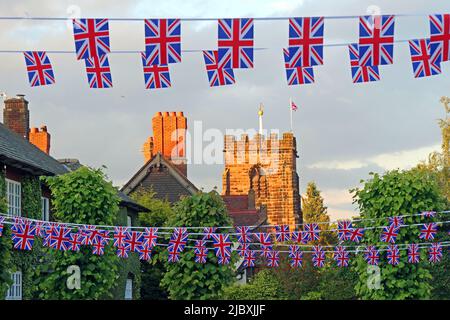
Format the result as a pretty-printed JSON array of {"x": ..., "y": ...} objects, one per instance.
[{"x": 5, "y": 243}]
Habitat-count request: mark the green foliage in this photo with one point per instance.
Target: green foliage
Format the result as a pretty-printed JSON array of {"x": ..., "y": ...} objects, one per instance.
[
  {"x": 31, "y": 197},
  {"x": 5, "y": 243},
  {"x": 396, "y": 193},
  {"x": 337, "y": 283},
  {"x": 84, "y": 197},
  {"x": 264, "y": 286},
  {"x": 314, "y": 210},
  {"x": 187, "y": 279}
]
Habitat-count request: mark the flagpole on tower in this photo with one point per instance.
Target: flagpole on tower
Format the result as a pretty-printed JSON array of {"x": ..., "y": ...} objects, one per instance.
[
  {"x": 290, "y": 108},
  {"x": 260, "y": 115}
]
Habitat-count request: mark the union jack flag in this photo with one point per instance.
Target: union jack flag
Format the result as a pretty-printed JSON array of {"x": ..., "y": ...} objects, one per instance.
[
  {"x": 361, "y": 74},
  {"x": 40, "y": 228},
  {"x": 1, "y": 225},
  {"x": 120, "y": 233},
  {"x": 318, "y": 257},
  {"x": 217, "y": 76},
  {"x": 222, "y": 246},
  {"x": 201, "y": 251},
  {"x": 92, "y": 236},
  {"x": 306, "y": 41},
  {"x": 393, "y": 255},
  {"x": 235, "y": 45},
  {"x": 145, "y": 252},
  {"x": 39, "y": 68},
  {"x": 300, "y": 237},
  {"x": 76, "y": 240},
  {"x": 372, "y": 255},
  {"x": 312, "y": 232},
  {"x": 273, "y": 259},
  {"x": 91, "y": 37},
  {"x": 428, "y": 231},
  {"x": 177, "y": 243},
  {"x": 440, "y": 33},
  {"x": 376, "y": 40},
  {"x": 426, "y": 58},
  {"x": 344, "y": 229},
  {"x": 46, "y": 230},
  {"x": 266, "y": 243},
  {"x": 297, "y": 75},
  {"x": 59, "y": 238},
  {"x": 223, "y": 260},
  {"x": 282, "y": 233},
  {"x": 98, "y": 248},
  {"x": 98, "y": 72},
  {"x": 341, "y": 256},
  {"x": 208, "y": 231},
  {"x": 435, "y": 252},
  {"x": 155, "y": 76},
  {"x": 429, "y": 214},
  {"x": 396, "y": 222},
  {"x": 413, "y": 253},
  {"x": 163, "y": 41},
  {"x": 249, "y": 258},
  {"x": 242, "y": 248},
  {"x": 356, "y": 235},
  {"x": 243, "y": 234},
  {"x": 296, "y": 256},
  {"x": 133, "y": 241},
  {"x": 122, "y": 252},
  {"x": 150, "y": 235},
  {"x": 23, "y": 236},
  {"x": 389, "y": 234}
]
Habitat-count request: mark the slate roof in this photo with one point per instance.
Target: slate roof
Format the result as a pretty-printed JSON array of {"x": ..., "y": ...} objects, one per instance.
[
  {"x": 18, "y": 152},
  {"x": 242, "y": 215}
]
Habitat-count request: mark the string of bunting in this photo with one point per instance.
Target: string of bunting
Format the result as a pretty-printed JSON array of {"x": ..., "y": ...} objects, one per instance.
[
  {"x": 70, "y": 237},
  {"x": 235, "y": 49}
]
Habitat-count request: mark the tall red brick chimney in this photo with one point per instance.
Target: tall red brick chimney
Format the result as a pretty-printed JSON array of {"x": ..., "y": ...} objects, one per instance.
[
  {"x": 169, "y": 139},
  {"x": 16, "y": 117}
]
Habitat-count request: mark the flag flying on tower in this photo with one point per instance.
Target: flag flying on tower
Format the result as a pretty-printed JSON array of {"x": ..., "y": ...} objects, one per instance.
[
  {"x": 426, "y": 57},
  {"x": 91, "y": 37},
  {"x": 163, "y": 41},
  {"x": 360, "y": 73},
  {"x": 293, "y": 106},
  {"x": 306, "y": 41},
  {"x": 376, "y": 40},
  {"x": 440, "y": 33},
  {"x": 235, "y": 45},
  {"x": 297, "y": 75},
  {"x": 39, "y": 68}
]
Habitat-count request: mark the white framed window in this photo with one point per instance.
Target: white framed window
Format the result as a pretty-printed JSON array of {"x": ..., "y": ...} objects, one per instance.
[
  {"x": 129, "y": 289},
  {"x": 45, "y": 208},
  {"x": 15, "y": 290},
  {"x": 128, "y": 221},
  {"x": 14, "y": 196}
]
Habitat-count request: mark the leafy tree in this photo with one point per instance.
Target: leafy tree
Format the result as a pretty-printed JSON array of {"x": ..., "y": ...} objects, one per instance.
[
  {"x": 393, "y": 194},
  {"x": 314, "y": 210},
  {"x": 264, "y": 286},
  {"x": 187, "y": 279},
  {"x": 160, "y": 212},
  {"x": 337, "y": 283},
  {"x": 83, "y": 197}
]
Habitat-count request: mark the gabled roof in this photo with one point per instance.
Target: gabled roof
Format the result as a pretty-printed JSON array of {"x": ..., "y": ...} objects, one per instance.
[
  {"x": 18, "y": 152},
  {"x": 158, "y": 161}
]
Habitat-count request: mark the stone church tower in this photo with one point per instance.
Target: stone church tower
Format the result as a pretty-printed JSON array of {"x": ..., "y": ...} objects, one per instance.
[{"x": 266, "y": 170}]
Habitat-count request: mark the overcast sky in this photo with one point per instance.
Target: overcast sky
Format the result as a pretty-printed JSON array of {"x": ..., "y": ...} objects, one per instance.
[{"x": 343, "y": 130}]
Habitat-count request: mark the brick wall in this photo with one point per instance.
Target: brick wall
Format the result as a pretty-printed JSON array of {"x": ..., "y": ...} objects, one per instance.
[
  {"x": 40, "y": 138},
  {"x": 267, "y": 166},
  {"x": 16, "y": 115}
]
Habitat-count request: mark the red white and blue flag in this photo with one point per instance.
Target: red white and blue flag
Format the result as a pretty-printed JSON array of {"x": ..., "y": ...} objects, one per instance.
[
  {"x": 296, "y": 256},
  {"x": 145, "y": 252},
  {"x": 273, "y": 259},
  {"x": 119, "y": 236},
  {"x": 356, "y": 235},
  {"x": 413, "y": 253},
  {"x": 177, "y": 243},
  {"x": 222, "y": 247},
  {"x": 393, "y": 255},
  {"x": 59, "y": 238},
  {"x": 435, "y": 252},
  {"x": 133, "y": 241},
  {"x": 98, "y": 248},
  {"x": 311, "y": 232},
  {"x": 428, "y": 231},
  {"x": 235, "y": 43},
  {"x": 318, "y": 257},
  {"x": 98, "y": 72},
  {"x": 440, "y": 33},
  {"x": 91, "y": 37},
  {"x": 150, "y": 235},
  {"x": 341, "y": 256},
  {"x": 249, "y": 258},
  {"x": 372, "y": 255},
  {"x": 282, "y": 233},
  {"x": 76, "y": 240},
  {"x": 243, "y": 234},
  {"x": 306, "y": 41},
  {"x": 389, "y": 234},
  {"x": 266, "y": 243},
  {"x": 155, "y": 76},
  {"x": 217, "y": 76},
  {"x": 344, "y": 229},
  {"x": 426, "y": 58},
  {"x": 242, "y": 248},
  {"x": 396, "y": 222},
  {"x": 23, "y": 236},
  {"x": 429, "y": 214},
  {"x": 376, "y": 40},
  {"x": 208, "y": 231},
  {"x": 297, "y": 75},
  {"x": 39, "y": 68},
  {"x": 201, "y": 251},
  {"x": 163, "y": 41},
  {"x": 361, "y": 74},
  {"x": 1, "y": 225}
]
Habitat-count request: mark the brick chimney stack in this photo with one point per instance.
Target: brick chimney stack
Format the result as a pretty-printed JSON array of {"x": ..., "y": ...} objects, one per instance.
[
  {"x": 169, "y": 139},
  {"x": 16, "y": 115}
]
